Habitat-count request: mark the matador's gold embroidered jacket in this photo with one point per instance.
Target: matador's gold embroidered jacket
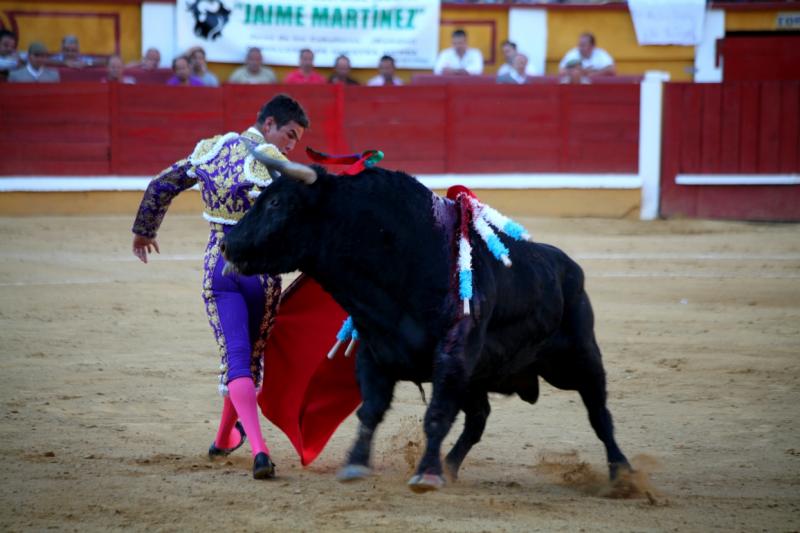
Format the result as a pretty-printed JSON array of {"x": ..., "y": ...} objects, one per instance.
[{"x": 227, "y": 174}]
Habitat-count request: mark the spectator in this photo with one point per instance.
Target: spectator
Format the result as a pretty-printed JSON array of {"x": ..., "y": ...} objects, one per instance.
[
  {"x": 150, "y": 61},
  {"x": 183, "y": 73},
  {"x": 459, "y": 58},
  {"x": 197, "y": 61},
  {"x": 341, "y": 71},
  {"x": 35, "y": 71},
  {"x": 9, "y": 58},
  {"x": 517, "y": 74},
  {"x": 585, "y": 62},
  {"x": 509, "y": 52},
  {"x": 253, "y": 71},
  {"x": 114, "y": 73},
  {"x": 385, "y": 74},
  {"x": 70, "y": 55},
  {"x": 306, "y": 73}
]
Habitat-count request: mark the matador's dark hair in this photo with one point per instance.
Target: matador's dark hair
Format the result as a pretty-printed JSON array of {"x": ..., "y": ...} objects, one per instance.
[{"x": 284, "y": 109}]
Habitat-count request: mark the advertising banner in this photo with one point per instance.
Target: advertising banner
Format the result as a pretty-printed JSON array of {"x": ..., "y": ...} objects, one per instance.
[
  {"x": 364, "y": 30},
  {"x": 668, "y": 21}
]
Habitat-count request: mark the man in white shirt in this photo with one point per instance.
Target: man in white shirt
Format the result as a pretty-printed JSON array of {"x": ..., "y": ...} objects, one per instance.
[
  {"x": 385, "y": 74},
  {"x": 459, "y": 58},
  {"x": 517, "y": 74},
  {"x": 586, "y": 61},
  {"x": 509, "y": 53},
  {"x": 70, "y": 55},
  {"x": 253, "y": 71},
  {"x": 35, "y": 71}
]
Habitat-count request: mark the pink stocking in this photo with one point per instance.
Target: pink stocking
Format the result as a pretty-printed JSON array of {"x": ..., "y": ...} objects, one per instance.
[
  {"x": 242, "y": 393},
  {"x": 227, "y": 435}
]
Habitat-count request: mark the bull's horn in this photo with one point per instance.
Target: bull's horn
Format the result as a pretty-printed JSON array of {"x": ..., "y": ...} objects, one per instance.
[{"x": 293, "y": 170}]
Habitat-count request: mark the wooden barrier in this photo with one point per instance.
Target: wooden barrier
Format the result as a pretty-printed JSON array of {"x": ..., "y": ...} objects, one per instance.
[
  {"x": 732, "y": 132},
  {"x": 58, "y": 129},
  {"x": 155, "y": 126},
  {"x": 490, "y": 79},
  {"x": 497, "y": 129},
  {"x": 543, "y": 129},
  {"x": 409, "y": 124},
  {"x": 140, "y": 129},
  {"x": 323, "y": 104}
]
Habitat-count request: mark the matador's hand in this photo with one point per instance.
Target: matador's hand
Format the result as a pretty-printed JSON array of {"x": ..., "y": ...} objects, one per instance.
[{"x": 144, "y": 245}]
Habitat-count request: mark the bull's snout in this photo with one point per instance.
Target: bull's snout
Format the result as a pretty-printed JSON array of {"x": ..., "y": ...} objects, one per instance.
[{"x": 229, "y": 268}]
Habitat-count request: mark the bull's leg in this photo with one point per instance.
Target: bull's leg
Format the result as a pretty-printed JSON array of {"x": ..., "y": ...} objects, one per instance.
[
  {"x": 582, "y": 370},
  {"x": 449, "y": 383},
  {"x": 476, "y": 410},
  {"x": 376, "y": 391},
  {"x": 593, "y": 393}
]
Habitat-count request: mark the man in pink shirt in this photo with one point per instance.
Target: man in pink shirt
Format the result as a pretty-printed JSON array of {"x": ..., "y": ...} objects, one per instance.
[{"x": 306, "y": 73}]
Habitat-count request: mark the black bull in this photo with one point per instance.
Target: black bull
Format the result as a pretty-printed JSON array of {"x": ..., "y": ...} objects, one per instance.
[{"x": 377, "y": 242}]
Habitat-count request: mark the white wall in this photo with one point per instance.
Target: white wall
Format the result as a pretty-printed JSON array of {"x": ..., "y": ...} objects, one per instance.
[
  {"x": 528, "y": 29},
  {"x": 651, "y": 110},
  {"x": 158, "y": 30},
  {"x": 705, "y": 53}
]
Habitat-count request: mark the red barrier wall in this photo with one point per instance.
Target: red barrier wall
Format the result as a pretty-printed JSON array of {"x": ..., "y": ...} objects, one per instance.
[
  {"x": 55, "y": 129},
  {"x": 96, "y": 129},
  {"x": 475, "y": 129},
  {"x": 572, "y": 128},
  {"x": 760, "y": 58},
  {"x": 409, "y": 124},
  {"x": 731, "y": 128},
  {"x": 153, "y": 127}
]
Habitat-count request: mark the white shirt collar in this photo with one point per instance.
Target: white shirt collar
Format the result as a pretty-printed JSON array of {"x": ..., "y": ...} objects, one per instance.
[
  {"x": 516, "y": 76},
  {"x": 35, "y": 73},
  {"x": 255, "y": 132}
]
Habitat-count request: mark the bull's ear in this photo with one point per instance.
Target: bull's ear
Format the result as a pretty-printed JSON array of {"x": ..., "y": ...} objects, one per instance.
[{"x": 296, "y": 171}]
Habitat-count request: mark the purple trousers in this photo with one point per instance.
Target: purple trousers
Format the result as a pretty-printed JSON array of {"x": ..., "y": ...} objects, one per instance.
[{"x": 241, "y": 311}]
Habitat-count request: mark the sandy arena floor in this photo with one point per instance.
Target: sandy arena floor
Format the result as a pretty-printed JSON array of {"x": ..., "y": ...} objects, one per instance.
[{"x": 108, "y": 395}]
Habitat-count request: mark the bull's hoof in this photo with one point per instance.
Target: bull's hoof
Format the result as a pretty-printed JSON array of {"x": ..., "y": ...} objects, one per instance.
[
  {"x": 451, "y": 469},
  {"x": 615, "y": 470},
  {"x": 420, "y": 483},
  {"x": 350, "y": 473}
]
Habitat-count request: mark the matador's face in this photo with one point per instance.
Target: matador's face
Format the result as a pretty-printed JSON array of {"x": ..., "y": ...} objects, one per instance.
[{"x": 285, "y": 138}]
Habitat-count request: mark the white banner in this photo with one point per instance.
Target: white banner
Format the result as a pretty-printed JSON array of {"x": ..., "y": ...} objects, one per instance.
[
  {"x": 668, "y": 21},
  {"x": 364, "y": 30}
]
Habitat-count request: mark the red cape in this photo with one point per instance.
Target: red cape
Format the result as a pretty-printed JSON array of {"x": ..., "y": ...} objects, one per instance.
[{"x": 304, "y": 393}]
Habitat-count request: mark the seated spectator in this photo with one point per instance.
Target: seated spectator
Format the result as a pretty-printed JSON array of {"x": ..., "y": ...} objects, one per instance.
[
  {"x": 35, "y": 71},
  {"x": 150, "y": 61},
  {"x": 306, "y": 73},
  {"x": 70, "y": 55},
  {"x": 197, "y": 60},
  {"x": 509, "y": 52},
  {"x": 183, "y": 73},
  {"x": 9, "y": 58},
  {"x": 341, "y": 71},
  {"x": 459, "y": 58},
  {"x": 114, "y": 73},
  {"x": 253, "y": 71},
  {"x": 585, "y": 62},
  {"x": 517, "y": 74},
  {"x": 385, "y": 74}
]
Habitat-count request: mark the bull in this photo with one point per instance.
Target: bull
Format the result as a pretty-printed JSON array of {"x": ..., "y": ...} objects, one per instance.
[{"x": 384, "y": 246}]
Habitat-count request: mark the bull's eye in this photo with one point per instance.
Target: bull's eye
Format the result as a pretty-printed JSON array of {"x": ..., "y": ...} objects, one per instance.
[{"x": 274, "y": 202}]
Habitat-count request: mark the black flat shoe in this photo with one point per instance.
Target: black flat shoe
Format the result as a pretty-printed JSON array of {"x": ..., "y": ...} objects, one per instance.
[
  {"x": 213, "y": 451},
  {"x": 263, "y": 467}
]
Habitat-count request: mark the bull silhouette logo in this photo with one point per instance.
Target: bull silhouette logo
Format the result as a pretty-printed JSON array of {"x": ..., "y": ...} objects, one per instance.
[{"x": 210, "y": 16}]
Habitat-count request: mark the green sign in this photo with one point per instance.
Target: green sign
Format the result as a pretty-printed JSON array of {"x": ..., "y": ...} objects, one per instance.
[{"x": 327, "y": 17}]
